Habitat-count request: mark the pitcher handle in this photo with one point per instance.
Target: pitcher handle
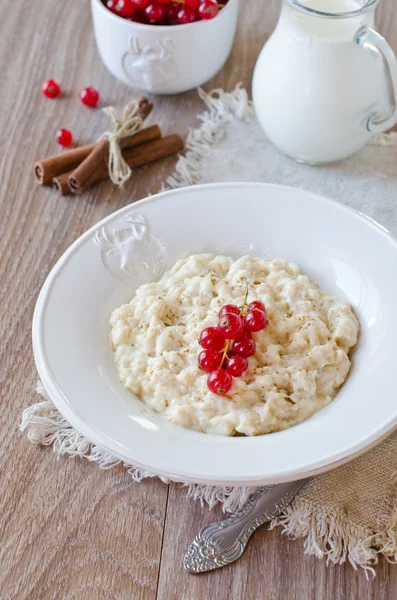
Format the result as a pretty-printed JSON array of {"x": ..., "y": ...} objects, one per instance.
[{"x": 370, "y": 40}]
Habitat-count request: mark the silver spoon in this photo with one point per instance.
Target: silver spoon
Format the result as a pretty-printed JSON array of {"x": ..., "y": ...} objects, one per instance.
[{"x": 223, "y": 542}]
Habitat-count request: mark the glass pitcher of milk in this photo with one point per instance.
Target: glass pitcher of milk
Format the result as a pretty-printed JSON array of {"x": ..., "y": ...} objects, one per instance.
[{"x": 325, "y": 82}]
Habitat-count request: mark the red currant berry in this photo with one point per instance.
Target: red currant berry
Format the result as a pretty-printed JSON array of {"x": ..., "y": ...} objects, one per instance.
[
  {"x": 142, "y": 4},
  {"x": 139, "y": 17},
  {"x": 112, "y": 5},
  {"x": 209, "y": 360},
  {"x": 236, "y": 365},
  {"x": 255, "y": 320},
  {"x": 244, "y": 346},
  {"x": 89, "y": 96},
  {"x": 186, "y": 15},
  {"x": 192, "y": 3},
  {"x": 173, "y": 9},
  {"x": 256, "y": 305},
  {"x": 51, "y": 88},
  {"x": 230, "y": 326},
  {"x": 64, "y": 137},
  {"x": 125, "y": 8},
  {"x": 155, "y": 12},
  {"x": 229, "y": 308},
  {"x": 211, "y": 338},
  {"x": 208, "y": 9},
  {"x": 219, "y": 382}
]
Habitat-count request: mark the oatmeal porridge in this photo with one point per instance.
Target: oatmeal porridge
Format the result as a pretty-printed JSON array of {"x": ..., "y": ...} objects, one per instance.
[{"x": 301, "y": 357}]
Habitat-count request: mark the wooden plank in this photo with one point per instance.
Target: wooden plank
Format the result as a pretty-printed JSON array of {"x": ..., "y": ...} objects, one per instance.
[
  {"x": 69, "y": 530},
  {"x": 273, "y": 567}
]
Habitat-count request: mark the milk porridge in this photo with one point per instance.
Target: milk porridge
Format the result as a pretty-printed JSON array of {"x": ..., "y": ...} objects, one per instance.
[{"x": 301, "y": 358}]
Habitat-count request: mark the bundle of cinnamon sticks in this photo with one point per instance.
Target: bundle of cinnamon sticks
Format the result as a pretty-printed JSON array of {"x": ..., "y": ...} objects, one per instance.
[{"x": 74, "y": 171}]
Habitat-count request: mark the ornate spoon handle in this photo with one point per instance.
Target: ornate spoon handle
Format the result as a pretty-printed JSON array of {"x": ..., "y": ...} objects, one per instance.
[{"x": 223, "y": 542}]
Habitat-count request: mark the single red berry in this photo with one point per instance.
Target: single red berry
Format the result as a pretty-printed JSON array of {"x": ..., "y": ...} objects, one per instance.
[
  {"x": 155, "y": 12},
  {"x": 142, "y": 4},
  {"x": 139, "y": 17},
  {"x": 111, "y": 5},
  {"x": 244, "y": 346},
  {"x": 211, "y": 338},
  {"x": 186, "y": 15},
  {"x": 257, "y": 306},
  {"x": 208, "y": 9},
  {"x": 125, "y": 8},
  {"x": 89, "y": 96},
  {"x": 255, "y": 320},
  {"x": 236, "y": 365},
  {"x": 172, "y": 11},
  {"x": 192, "y": 3},
  {"x": 51, "y": 88},
  {"x": 209, "y": 360},
  {"x": 219, "y": 382},
  {"x": 229, "y": 308},
  {"x": 230, "y": 326},
  {"x": 64, "y": 137}
]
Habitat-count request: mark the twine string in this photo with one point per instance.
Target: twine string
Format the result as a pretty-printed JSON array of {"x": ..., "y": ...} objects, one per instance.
[{"x": 128, "y": 124}]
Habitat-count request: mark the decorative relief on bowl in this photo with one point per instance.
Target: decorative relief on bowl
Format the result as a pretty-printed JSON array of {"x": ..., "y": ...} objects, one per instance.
[
  {"x": 147, "y": 65},
  {"x": 130, "y": 252}
]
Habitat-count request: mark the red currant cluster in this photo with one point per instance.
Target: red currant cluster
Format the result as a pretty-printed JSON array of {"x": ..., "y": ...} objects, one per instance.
[
  {"x": 88, "y": 96},
  {"x": 165, "y": 12},
  {"x": 228, "y": 346}
]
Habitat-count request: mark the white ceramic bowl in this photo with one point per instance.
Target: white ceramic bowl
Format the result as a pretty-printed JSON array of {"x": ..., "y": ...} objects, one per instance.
[
  {"x": 163, "y": 59},
  {"x": 344, "y": 251}
]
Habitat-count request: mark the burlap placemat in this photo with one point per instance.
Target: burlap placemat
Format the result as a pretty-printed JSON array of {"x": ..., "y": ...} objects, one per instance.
[{"x": 349, "y": 513}]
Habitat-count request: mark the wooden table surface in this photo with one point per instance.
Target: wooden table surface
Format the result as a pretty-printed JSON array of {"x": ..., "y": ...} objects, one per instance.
[{"x": 69, "y": 530}]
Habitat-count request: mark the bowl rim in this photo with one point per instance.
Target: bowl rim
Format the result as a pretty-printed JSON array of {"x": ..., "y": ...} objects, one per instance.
[
  {"x": 316, "y": 466},
  {"x": 148, "y": 26}
]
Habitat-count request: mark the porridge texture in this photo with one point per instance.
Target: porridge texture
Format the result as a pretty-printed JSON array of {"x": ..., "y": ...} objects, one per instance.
[{"x": 301, "y": 357}]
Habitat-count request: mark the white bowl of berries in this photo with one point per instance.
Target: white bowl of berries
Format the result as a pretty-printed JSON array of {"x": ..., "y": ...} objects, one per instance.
[{"x": 164, "y": 47}]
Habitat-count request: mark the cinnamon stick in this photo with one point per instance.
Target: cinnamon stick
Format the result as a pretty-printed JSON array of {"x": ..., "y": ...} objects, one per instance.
[
  {"x": 135, "y": 157},
  {"x": 61, "y": 183},
  {"x": 100, "y": 154},
  {"x": 52, "y": 166},
  {"x": 47, "y": 169}
]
